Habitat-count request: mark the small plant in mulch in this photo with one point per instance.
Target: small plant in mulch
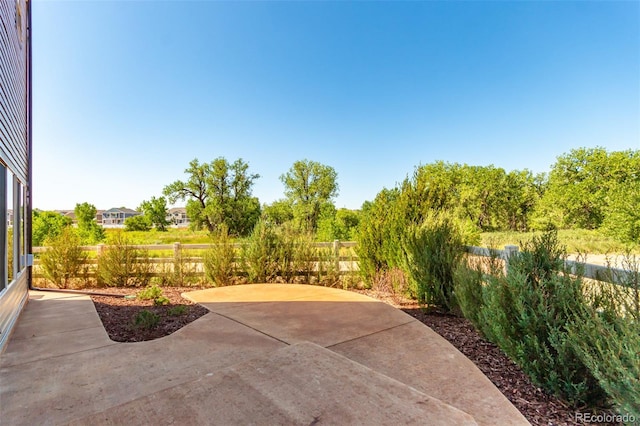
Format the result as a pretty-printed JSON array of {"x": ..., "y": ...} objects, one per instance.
[
  {"x": 178, "y": 310},
  {"x": 154, "y": 293},
  {"x": 149, "y": 293},
  {"x": 146, "y": 319}
]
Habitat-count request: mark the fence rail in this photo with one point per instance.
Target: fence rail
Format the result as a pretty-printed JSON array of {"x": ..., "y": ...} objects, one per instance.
[
  {"x": 587, "y": 270},
  {"x": 342, "y": 264},
  {"x": 603, "y": 273}
]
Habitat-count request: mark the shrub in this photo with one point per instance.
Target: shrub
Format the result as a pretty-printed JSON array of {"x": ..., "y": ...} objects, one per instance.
[
  {"x": 610, "y": 348},
  {"x": 469, "y": 280},
  {"x": 121, "y": 264},
  {"x": 304, "y": 257},
  {"x": 219, "y": 260},
  {"x": 328, "y": 270},
  {"x": 152, "y": 292},
  {"x": 161, "y": 301},
  {"x": 178, "y": 310},
  {"x": 259, "y": 254},
  {"x": 527, "y": 313},
  {"x": 607, "y": 339},
  {"x": 183, "y": 270},
  {"x": 137, "y": 223},
  {"x": 64, "y": 260},
  {"x": 432, "y": 253},
  {"x": 146, "y": 319},
  {"x": 468, "y": 284}
]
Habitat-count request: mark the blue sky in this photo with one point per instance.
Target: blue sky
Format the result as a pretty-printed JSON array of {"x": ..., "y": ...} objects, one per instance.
[{"x": 127, "y": 93}]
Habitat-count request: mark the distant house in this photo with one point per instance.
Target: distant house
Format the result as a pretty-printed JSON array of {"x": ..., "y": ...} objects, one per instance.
[
  {"x": 71, "y": 215},
  {"x": 177, "y": 217},
  {"x": 115, "y": 217}
]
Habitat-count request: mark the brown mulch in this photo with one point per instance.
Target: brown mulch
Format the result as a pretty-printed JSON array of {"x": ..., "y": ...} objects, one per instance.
[{"x": 118, "y": 315}]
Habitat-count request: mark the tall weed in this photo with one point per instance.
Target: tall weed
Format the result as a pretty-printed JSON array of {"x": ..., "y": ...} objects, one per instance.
[
  {"x": 259, "y": 254},
  {"x": 64, "y": 262},
  {"x": 220, "y": 260},
  {"x": 123, "y": 265}
]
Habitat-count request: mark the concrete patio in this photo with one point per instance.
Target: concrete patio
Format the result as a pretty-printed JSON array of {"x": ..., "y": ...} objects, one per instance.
[{"x": 265, "y": 354}]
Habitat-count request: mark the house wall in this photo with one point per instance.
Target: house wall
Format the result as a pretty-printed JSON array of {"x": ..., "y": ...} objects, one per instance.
[{"x": 15, "y": 187}]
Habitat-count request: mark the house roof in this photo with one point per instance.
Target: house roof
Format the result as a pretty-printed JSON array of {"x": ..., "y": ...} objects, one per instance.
[
  {"x": 121, "y": 210},
  {"x": 177, "y": 210}
]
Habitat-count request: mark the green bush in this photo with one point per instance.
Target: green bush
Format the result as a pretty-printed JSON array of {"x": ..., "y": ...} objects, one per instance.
[
  {"x": 64, "y": 260},
  {"x": 279, "y": 253},
  {"x": 527, "y": 313},
  {"x": 219, "y": 261},
  {"x": 467, "y": 287},
  {"x": 146, "y": 319},
  {"x": 161, "y": 301},
  {"x": 151, "y": 292},
  {"x": 607, "y": 338},
  {"x": 178, "y": 310},
  {"x": 432, "y": 252},
  {"x": 610, "y": 348},
  {"x": 259, "y": 254},
  {"x": 123, "y": 265}
]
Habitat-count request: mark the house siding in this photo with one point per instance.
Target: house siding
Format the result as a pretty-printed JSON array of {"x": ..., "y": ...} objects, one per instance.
[{"x": 15, "y": 122}]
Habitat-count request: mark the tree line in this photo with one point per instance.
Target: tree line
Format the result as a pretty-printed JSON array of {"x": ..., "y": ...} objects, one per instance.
[
  {"x": 219, "y": 198},
  {"x": 588, "y": 188}
]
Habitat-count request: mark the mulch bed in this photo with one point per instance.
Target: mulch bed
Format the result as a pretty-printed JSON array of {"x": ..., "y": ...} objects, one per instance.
[
  {"x": 118, "y": 314},
  {"x": 118, "y": 317}
]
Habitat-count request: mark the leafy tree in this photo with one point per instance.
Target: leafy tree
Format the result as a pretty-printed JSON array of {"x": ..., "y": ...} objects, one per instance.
[
  {"x": 581, "y": 183},
  {"x": 218, "y": 193},
  {"x": 308, "y": 185},
  {"x": 88, "y": 229},
  {"x": 47, "y": 225},
  {"x": 137, "y": 223},
  {"x": 155, "y": 212},
  {"x": 278, "y": 212},
  {"x": 622, "y": 216},
  {"x": 341, "y": 224}
]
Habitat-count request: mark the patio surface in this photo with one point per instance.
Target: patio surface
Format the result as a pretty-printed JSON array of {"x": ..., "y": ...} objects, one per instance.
[{"x": 265, "y": 354}]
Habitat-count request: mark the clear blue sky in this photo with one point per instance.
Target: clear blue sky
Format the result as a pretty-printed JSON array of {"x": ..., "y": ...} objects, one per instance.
[{"x": 127, "y": 93}]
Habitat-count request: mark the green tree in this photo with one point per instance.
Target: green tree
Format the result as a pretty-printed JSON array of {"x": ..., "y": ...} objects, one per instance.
[
  {"x": 137, "y": 223},
  {"x": 88, "y": 229},
  {"x": 308, "y": 185},
  {"x": 622, "y": 216},
  {"x": 47, "y": 225},
  {"x": 155, "y": 212},
  {"x": 581, "y": 183},
  {"x": 218, "y": 193},
  {"x": 341, "y": 224},
  {"x": 278, "y": 212}
]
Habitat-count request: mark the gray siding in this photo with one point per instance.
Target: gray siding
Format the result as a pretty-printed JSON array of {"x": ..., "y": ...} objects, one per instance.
[
  {"x": 13, "y": 86},
  {"x": 12, "y": 300},
  {"x": 14, "y": 138}
]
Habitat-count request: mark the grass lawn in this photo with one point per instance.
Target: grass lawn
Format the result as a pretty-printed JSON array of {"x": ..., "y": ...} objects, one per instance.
[{"x": 173, "y": 235}]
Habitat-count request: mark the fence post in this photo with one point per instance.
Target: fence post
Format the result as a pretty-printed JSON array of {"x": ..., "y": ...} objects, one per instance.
[
  {"x": 100, "y": 249},
  {"x": 508, "y": 252},
  {"x": 176, "y": 252},
  {"x": 336, "y": 254}
]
